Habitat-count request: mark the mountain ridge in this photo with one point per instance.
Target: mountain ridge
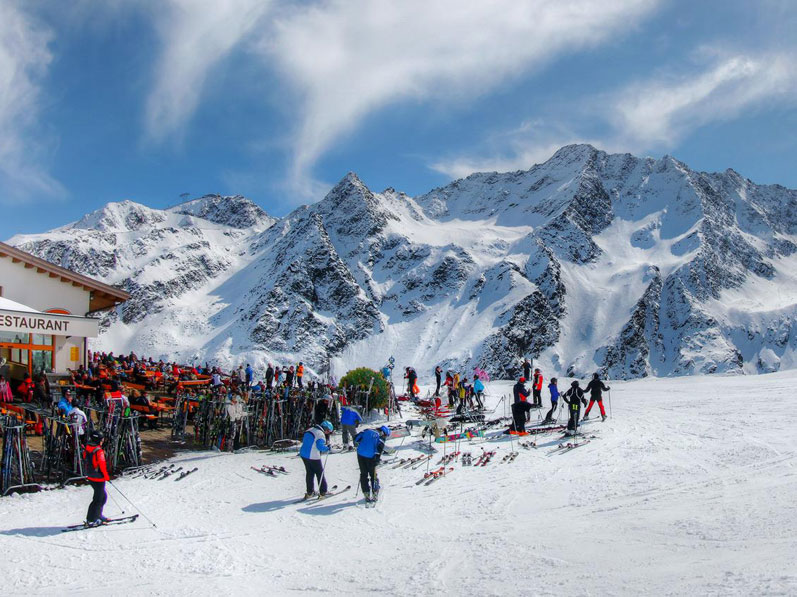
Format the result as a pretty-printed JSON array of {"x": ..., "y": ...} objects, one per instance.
[{"x": 588, "y": 261}]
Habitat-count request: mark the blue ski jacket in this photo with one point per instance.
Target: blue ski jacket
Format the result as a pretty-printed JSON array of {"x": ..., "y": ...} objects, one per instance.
[
  {"x": 478, "y": 386},
  {"x": 349, "y": 416},
  {"x": 314, "y": 443},
  {"x": 554, "y": 392},
  {"x": 64, "y": 406},
  {"x": 369, "y": 443}
]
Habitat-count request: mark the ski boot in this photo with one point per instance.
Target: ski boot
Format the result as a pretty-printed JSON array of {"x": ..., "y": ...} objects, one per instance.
[
  {"x": 603, "y": 418},
  {"x": 311, "y": 495},
  {"x": 586, "y": 417}
]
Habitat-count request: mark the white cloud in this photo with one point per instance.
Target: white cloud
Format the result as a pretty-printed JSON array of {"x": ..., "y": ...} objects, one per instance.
[
  {"x": 653, "y": 114},
  {"x": 196, "y": 35},
  {"x": 24, "y": 59},
  {"x": 348, "y": 58},
  {"x": 519, "y": 149},
  {"x": 660, "y": 112}
]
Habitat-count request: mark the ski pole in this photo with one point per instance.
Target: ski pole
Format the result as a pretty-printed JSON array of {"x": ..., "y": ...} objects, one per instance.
[
  {"x": 132, "y": 504},
  {"x": 113, "y": 499},
  {"x": 610, "y": 404}
]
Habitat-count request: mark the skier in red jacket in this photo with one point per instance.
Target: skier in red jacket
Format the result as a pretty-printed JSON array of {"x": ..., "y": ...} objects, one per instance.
[
  {"x": 97, "y": 475},
  {"x": 536, "y": 388}
]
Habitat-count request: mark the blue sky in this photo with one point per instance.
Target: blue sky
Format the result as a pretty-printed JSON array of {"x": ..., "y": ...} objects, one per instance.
[{"x": 150, "y": 99}]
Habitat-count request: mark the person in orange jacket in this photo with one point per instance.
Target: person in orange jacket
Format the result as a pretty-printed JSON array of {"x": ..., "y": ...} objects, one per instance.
[
  {"x": 300, "y": 375},
  {"x": 536, "y": 388},
  {"x": 97, "y": 475}
]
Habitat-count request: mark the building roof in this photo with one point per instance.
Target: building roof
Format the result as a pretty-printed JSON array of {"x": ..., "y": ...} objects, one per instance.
[{"x": 102, "y": 297}]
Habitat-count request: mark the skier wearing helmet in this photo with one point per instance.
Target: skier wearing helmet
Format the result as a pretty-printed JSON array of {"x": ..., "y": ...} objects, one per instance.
[
  {"x": 370, "y": 444},
  {"x": 97, "y": 475},
  {"x": 314, "y": 444},
  {"x": 575, "y": 398}
]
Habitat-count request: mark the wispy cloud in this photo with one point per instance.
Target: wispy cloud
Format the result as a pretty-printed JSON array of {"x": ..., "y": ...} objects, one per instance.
[
  {"x": 646, "y": 115},
  {"x": 660, "y": 112},
  {"x": 196, "y": 35},
  {"x": 517, "y": 149},
  {"x": 24, "y": 60},
  {"x": 349, "y": 58}
]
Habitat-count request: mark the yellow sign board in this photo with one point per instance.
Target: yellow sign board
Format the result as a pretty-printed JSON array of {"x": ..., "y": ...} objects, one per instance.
[{"x": 74, "y": 353}]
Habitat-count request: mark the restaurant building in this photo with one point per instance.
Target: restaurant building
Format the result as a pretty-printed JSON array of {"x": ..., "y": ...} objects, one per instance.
[{"x": 45, "y": 314}]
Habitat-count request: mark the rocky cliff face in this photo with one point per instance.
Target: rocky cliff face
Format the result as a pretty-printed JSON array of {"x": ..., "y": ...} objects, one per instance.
[{"x": 587, "y": 262}]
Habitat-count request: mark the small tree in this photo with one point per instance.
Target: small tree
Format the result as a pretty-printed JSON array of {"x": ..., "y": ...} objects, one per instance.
[{"x": 357, "y": 382}]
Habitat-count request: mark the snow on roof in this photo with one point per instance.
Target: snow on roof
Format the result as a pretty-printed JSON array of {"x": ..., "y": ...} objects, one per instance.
[{"x": 10, "y": 305}]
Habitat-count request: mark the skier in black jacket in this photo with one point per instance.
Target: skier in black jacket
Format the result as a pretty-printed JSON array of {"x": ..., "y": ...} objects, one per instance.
[
  {"x": 269, "y": 376},
  {"x": 595, "y": 387},
  {"x": 438, "y": 372},
  {"x": 521, "y": 394},
  {"x": 575, "y": 398},
  {"x": 520, "y": 410}
]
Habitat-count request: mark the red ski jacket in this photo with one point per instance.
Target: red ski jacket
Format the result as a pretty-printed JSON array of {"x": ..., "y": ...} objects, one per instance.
[{"x": 96, "y": 469}]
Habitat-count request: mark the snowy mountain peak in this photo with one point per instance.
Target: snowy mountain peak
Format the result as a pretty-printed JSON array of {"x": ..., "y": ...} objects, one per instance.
[
  {"x": 236, "y": 211},
  {"x": 120, "y": 216}
]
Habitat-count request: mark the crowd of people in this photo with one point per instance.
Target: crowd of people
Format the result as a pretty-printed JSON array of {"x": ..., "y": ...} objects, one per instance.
[{"x": 574, "y": 397}]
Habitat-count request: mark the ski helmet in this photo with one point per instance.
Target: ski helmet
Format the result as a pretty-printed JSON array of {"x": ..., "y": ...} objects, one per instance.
[
  {"x": 327, "y": 425},
  {"x": 95, "y": 437},
  {"x": 574, "y": 384},
  {"x": 522, "y": 380},
  {"x": 385, "y": 430},
  {"x": 595, "y": 376}
]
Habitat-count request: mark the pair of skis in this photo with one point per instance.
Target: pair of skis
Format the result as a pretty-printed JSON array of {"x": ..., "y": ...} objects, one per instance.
[
  {"x": 509, "y": 457},
  {"x": 331, "y": 492},
  {"x": 109, "y": 522},
  {"x": 432, "y": 476},
  {"x": 185, "y": 473},
  {"x": 485, "y": 458},
  {"x": 448, "y": 458},
  {"x": 567, "y": 447},
  {"x": 271, "y": 471}
]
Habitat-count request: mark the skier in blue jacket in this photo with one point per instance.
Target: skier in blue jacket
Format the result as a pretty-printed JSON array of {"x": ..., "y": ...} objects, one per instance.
[
  {"x": 554, "y": 389},
  {"x": 478, "y": 392},
  {"x": 314, "y": 444},
  {"x": 370, "y": 444},
  {"x": 349, "y": 419}
]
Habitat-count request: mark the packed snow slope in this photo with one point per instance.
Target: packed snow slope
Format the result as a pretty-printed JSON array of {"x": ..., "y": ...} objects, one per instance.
[
  {"x": 687, "y": 490},
  {"x": 589, "y": 261}
]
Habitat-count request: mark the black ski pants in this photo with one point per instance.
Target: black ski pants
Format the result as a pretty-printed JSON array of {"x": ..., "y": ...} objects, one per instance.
[
  {"x": 97, "y": 501},
  {"x": 537, "y": 395},
  {"x": 367, "y": 473},
  {"x": 572, "y": 423},
  {"x": 314, "y": 470},
  {"x": 549, "y": 416}
]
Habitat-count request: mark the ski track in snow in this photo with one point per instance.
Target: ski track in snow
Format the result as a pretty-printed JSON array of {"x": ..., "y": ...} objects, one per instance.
[{"x": 688, "y": 490}]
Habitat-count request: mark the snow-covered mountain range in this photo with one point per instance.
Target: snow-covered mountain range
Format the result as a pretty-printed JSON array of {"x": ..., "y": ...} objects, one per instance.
[{"x": 590, "y": 261}]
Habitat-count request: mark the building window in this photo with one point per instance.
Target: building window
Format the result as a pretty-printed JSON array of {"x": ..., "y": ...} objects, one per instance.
[
  {"x": 42, "y": 361},
  {"x": 42, "y": 339},
  {"x": 14, "y": 338}
]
